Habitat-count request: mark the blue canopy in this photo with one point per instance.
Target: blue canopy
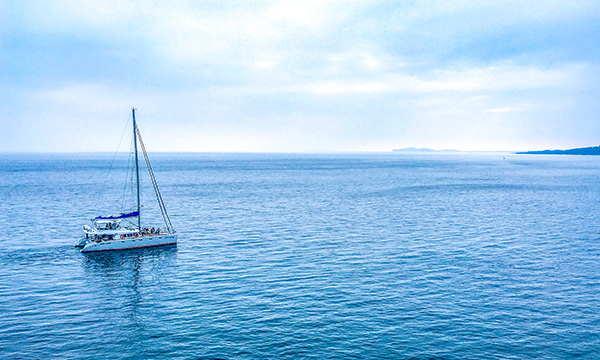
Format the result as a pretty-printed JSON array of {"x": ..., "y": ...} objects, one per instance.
[{"x": 120, "y": 216}]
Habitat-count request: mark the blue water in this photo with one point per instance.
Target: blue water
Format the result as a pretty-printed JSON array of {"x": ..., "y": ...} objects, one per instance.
[{"x": 384, "y": 256}]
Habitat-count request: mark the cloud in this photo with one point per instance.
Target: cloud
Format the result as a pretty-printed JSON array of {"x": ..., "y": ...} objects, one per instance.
[
  {"x": 504, "y": 110},
  {"x": 300, "y": 75},
  {"x": 502, "y": 77}
]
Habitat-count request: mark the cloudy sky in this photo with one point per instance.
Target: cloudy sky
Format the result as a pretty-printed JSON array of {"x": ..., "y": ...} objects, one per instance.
[{"x": 300, "y": 76}]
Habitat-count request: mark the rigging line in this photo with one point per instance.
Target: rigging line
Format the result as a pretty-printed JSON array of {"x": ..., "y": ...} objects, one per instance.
[
  {"x": 113, "y": 161},
  {"x": 152, "y": 178},
  {"x": 161, "y": 203},
  {"x": 127, "y": 177}
]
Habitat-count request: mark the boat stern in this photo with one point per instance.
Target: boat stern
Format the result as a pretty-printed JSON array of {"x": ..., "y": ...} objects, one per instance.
[{"x": 81, "y": 242}]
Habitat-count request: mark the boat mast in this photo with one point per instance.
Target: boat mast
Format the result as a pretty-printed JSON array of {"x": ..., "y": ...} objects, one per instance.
[{"x": 137, "y": 169}]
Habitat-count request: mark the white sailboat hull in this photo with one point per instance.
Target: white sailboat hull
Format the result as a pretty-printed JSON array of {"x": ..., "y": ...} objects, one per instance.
[
  {"x": 125, "y": 244},
  {"x": 107, "y": 232}
]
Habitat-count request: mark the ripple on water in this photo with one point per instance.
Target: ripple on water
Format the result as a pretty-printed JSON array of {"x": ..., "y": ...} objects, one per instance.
[{"x": 364, "y": 256}]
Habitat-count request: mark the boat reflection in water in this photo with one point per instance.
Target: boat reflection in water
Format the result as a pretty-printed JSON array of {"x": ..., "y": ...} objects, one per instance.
[{"x": 123, "y": 283}]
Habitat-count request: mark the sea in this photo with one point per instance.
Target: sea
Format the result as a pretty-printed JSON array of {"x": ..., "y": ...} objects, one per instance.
[{"x": 306, "y": 256}]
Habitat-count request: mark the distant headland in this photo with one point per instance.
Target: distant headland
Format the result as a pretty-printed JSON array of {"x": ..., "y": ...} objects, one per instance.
[{"x": 594, "y": 150}]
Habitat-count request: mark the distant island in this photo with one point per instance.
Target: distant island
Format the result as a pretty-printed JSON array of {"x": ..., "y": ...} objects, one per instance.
[{"x": 594, "y": 150}]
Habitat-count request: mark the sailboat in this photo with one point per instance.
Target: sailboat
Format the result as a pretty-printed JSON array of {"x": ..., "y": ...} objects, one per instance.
[{"x": 107, "y": 233}]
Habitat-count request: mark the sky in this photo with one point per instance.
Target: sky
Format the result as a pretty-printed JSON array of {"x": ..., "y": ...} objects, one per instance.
[{"x": 300, "y": 76}]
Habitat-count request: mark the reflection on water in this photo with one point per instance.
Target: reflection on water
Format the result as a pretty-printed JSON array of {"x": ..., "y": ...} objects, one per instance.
[
  {"x": 125, "y": 280},
  {"x": 126, "y": 262}
]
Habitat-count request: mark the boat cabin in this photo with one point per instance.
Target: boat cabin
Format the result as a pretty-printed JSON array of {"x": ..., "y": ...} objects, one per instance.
[{"x": 107, "y": 224}]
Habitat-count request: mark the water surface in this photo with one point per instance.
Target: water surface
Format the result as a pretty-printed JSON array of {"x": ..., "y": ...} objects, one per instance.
[{"x": 388, "y": 256}]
